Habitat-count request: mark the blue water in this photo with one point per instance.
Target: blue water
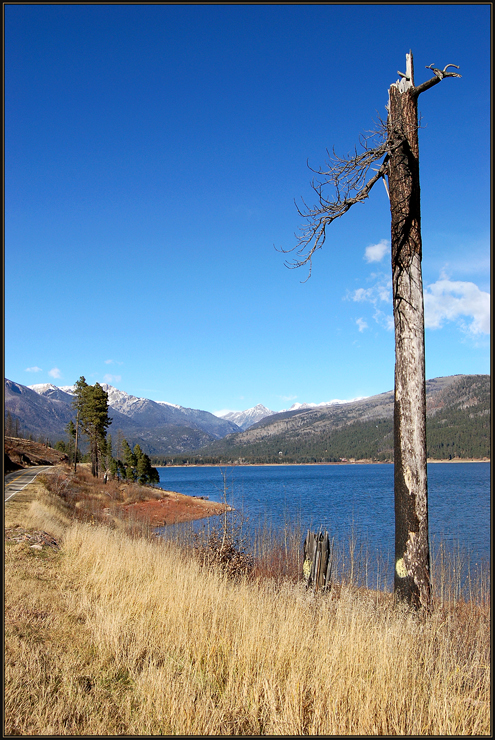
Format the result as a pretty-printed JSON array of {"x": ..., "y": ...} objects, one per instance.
[{"x": 345, "y": 499}]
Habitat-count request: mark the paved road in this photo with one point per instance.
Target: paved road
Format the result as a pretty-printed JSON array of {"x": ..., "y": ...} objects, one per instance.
[{"x": 19, "y": 479}]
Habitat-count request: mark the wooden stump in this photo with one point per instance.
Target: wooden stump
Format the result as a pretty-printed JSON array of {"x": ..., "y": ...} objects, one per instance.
[{"x": 317, "y": 563}]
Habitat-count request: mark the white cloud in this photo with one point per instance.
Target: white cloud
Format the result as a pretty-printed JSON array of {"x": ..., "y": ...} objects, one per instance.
[
  {"x": 111, "y": 378},
  {"x": 34, "y": 369},
  {"x": 113, "y": 362},
  {"x": 376, "y": 252},
  {"x": 380, "y": 292},
  {"x": 384, "y": 319},
  {"x": 449, "y": 300},
  {"x": 362, "y": 294},
  {"x": 288, "y": 398},
  {"x": 55, "y": 372},
  {"x": 222, "y": 412},
  {"x": 444, "y": 300}
]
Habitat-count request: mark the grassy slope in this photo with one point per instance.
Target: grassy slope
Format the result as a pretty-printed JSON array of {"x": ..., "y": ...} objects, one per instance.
[{"x": 117, "y": 634}]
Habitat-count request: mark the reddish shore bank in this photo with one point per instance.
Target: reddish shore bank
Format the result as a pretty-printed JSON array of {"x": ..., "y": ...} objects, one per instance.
[{"x": 173, "y": 508}]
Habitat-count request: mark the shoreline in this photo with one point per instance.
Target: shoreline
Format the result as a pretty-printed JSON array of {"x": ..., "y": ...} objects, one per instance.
[
  {"x": 173, "y": 508},
  {"x": 286, "y": 464}
]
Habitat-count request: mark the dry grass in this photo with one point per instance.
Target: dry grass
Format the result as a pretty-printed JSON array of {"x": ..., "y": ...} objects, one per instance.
[{"x": 117, "y": 634}]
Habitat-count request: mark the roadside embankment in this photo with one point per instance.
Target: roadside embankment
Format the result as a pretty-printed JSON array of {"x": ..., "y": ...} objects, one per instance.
[{"x": 22, "y": 453}]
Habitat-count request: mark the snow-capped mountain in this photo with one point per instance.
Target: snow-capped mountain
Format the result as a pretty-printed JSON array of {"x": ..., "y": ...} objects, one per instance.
[
  {"x": 245, "y": 419},
  {"x": 51, "y": 391},
  {"x": 159, "y": 427},
  {"x": 335, "y": 401},
  {"x": 146, "y": 412},
  {"x": 120, "y": 400},
  {"x": 249, "y": 417}
]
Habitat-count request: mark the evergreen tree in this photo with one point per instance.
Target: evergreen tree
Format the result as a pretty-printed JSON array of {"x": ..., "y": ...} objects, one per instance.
[
  {"x": 71, "y": 433},
  {"x": 91, "y": 404},
  {"x": 136, "y": 465},
  {"x": 113, "y": 467},
  {"x": 143, "y": 466},
  {"x": 78, "y": 403},
  {"x": 129, "y": 460},
  {"x": 121, "y": 470},
  {"x": 154, "y": 476},
  {"x": 109, "y": 456}
]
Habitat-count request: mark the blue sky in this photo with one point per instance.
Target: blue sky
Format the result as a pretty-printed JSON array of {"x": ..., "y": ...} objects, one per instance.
[{"x": 153, "y": 154}]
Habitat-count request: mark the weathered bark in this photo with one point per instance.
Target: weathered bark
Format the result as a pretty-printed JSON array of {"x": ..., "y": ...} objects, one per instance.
[
  {"x": 412, "y": 558},
  {"x": 317, "y": 562},
  {"x": 75, "y": 443},
  {"x": 401, "y": 165}
]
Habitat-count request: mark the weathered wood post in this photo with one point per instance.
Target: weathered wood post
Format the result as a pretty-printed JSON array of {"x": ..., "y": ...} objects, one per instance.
[{"x": 317, "y": 561}]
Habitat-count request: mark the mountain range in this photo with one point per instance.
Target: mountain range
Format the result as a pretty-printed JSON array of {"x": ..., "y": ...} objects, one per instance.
[
  {"x": 44, "y": 410},
  {"x": 458, "y": 424},
  {"x": 246, "y": 419}
]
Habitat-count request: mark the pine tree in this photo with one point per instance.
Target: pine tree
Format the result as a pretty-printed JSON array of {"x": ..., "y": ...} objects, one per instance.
[
  {"x": 9, "y": 425},
  {"x": 71, "y": 433},
  {"x": 91, "y": 404},
  {"x": 78, "y": 402},
  {"x": 109, "y": 456},
  {"x": 129, "y": 460},
  {"x": 113, "y": 467},
  {"x": 143, "y": 466}
]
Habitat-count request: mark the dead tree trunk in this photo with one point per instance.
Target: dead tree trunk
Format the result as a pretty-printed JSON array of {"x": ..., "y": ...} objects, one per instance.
[
  {"x": 412, "y": 558},
  {"x": 75, "y": 443},
  {"x": 399, "y": 151}
]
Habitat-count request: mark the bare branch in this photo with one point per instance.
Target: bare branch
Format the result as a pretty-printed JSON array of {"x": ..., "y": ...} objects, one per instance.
[
  {"x": 440, "y": 74},
  {"x": 349, "y": 175}
]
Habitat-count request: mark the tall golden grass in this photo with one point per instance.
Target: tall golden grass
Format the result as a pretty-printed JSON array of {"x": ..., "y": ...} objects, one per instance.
[{"x": 117, "y": 634}]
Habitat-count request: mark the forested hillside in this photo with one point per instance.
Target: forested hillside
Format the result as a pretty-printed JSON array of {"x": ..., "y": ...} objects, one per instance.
[
  {"x": 458, "y": 421},
  {"x": 458, "y": 426}
]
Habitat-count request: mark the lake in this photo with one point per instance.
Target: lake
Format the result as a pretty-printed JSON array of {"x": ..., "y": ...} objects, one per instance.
[{"x": 345, "y": 499}]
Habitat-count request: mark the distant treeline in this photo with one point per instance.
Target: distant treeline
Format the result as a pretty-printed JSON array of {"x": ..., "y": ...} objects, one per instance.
[{"x": 455, "y": 435}]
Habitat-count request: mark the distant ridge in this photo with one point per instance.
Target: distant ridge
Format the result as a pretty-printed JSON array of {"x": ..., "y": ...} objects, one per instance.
[
  {"x": 458, "y": 426},
  {"x": 44, "y": 410},
  {"x": 246, "y": 419}
]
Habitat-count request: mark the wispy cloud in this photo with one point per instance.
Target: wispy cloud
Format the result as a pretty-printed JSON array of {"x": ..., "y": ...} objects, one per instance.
[
  {"x": 445, "y": 300},
  {"x": 34, "y": 369},
  {"x": 379, "y": 292},
  {"x": 111, "y": 378},
  {"x": 113, "y": 362},
  {"x": 451, "y": 300},
  {"x": 376, "y": 252},
  {"x": 55, "y": 372},
  {"x": 379, "y": 295},
  {"x": 288, "y": 398}
]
